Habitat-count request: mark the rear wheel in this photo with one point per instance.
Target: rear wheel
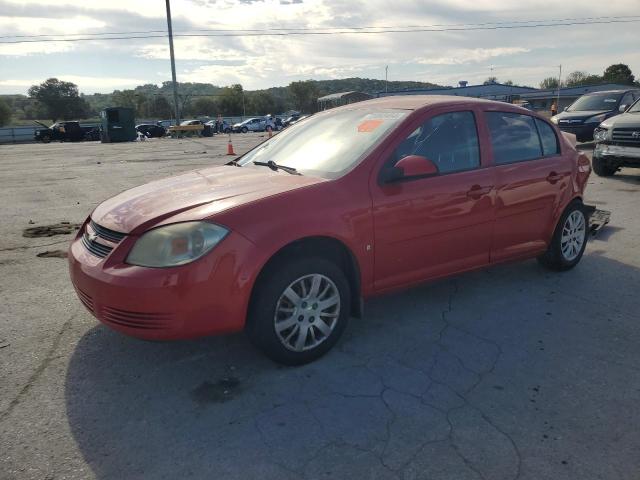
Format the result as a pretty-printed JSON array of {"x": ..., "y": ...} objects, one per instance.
[
  {"x": 299, "y": 310},
  {"x": 603, "y": 169},
  {"x": 569, "y": 239}
]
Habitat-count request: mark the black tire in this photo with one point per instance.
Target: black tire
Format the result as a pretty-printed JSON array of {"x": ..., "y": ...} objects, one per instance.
[
  {"x": 554, "y": 258},
  {"x": 268, "y": 293},
  {"x": 603, "y": 169},
  {"x": 46, "y": 139},
  {"x": 244, "y": 130}
]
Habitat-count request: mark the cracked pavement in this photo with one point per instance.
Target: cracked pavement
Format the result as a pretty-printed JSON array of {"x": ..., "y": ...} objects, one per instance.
[{"x": 512, "y": 372}]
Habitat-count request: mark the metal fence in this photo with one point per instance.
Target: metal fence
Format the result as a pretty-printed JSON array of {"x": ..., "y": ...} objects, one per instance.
[{"x": 26, "y": 133}]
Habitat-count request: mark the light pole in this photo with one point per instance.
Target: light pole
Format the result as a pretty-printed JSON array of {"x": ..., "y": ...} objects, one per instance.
[
  {"x": 386, "y": 78},
  {"x": 173, "y": 64},
  {"x": 559, "y": 80}
]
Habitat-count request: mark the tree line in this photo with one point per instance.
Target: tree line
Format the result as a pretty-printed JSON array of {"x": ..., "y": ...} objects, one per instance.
[{"x": 56, "y": 99}]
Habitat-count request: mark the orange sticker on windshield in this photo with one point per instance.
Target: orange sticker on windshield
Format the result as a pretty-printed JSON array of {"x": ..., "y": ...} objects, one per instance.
[{"x": 369, "y": 125}]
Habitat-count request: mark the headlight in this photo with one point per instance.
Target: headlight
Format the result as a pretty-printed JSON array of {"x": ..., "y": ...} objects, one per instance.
[
  {"x": 600, "y": 134},
  {"x": 554, "y": 119},
  {"x": 596, "y": 118},
  {"x": 175, "y": 244}
]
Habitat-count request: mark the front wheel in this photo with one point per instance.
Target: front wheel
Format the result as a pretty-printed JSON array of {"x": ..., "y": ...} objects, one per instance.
[
  {"x": 244, "y": 130},
  {"x": 569, "y": 239},
  {"x": 299, "y": 310}
]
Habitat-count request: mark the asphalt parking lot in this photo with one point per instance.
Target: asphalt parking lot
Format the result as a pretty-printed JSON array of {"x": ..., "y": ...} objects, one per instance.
[{"x": 510, "y": 372}]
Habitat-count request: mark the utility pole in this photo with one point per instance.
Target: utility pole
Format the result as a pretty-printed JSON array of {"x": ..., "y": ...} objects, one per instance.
[
  {"x": 559, "y": 80},
  {"x": 386, "y": 78},
  {"x": 173, "y": 64}
]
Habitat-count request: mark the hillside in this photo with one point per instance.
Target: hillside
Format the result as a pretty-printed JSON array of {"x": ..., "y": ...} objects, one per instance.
[{"x": 156, "y": 101}]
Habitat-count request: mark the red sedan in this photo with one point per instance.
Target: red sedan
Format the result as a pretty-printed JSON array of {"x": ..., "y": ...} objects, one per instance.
[{"x": 356, "y": 201}]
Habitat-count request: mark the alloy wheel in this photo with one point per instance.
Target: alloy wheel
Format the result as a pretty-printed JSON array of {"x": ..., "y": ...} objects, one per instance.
[
  {"x": 307, "y": 312},
  {"x": 574, "y": 234}
]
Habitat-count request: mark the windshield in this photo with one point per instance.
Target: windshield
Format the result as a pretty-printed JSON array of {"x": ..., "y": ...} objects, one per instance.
[
  {"x": 595, "y": 102},
  {"x": 327, "y": 144},
  {"x": 635, "y": 108}
]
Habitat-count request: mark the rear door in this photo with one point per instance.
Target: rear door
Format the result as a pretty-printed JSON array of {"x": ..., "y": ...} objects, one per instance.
[
  {"x": 429, "y": 227},
  {"x": 531, "y": 179}
]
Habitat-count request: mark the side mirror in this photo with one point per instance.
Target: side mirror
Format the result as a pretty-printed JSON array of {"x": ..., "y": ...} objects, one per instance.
[
  {"x": 565, "y": 109},
  {"x": 622, "y": 108},
  {"x": 411, "y": 166}
]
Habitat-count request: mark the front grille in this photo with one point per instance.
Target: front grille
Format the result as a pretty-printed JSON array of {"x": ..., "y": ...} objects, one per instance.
[
  {"x": 110, "y": 235},
  {"x": 626, "y": 136},
  {"x": 144, "y": 321},
  {"x": 97, "y": 249}
]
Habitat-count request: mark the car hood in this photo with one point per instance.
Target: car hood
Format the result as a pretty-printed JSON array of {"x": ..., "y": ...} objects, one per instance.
[
  {"x": 582, "y": 115},
  {"x": 625, "y": 120},
  {"x": 182, "y": 198}
]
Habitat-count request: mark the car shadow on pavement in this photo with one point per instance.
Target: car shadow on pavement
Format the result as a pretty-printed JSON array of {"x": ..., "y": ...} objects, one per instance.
[{"x": 493, "y": 373}]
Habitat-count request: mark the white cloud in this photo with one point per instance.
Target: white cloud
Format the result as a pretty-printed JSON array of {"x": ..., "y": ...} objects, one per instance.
[
  {"x": 469, "y": 55},
  {"x": 85, "y": 83},
  {"x": 521, "y": 55}
]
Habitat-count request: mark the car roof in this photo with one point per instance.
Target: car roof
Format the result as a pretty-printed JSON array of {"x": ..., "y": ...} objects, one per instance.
[
  {"x": 415, "y": 102},
  {"x": 418, "y": 102},
  {"x": 609, "y": 92}
]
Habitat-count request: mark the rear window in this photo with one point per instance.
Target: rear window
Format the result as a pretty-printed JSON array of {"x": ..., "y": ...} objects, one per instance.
[
  {"x": 548, "y": 139},
  {"x": 514, "y": 137}
]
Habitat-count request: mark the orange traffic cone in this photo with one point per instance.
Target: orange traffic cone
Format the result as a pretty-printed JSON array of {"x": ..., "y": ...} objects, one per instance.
[{"x": 230, "y": 147}]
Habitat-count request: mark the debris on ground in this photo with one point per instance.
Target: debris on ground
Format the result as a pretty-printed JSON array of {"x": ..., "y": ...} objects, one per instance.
[
  {"x": 62, "y": 228},
  {"x": 52, "y": 254}
]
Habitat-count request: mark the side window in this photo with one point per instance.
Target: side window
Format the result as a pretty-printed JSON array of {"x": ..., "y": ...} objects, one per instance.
[
  {"x": 514, "y": 137},
  {"x": 627, "y": 99},
  {"x": 548, "y": 139},
  {"x": 449, "y": 140}
]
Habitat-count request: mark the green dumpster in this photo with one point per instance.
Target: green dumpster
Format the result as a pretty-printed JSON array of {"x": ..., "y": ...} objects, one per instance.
[{"x": 118, "y": 125}]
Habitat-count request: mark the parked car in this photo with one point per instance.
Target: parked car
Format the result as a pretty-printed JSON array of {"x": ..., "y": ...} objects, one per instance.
[
  {"x": 66, "y": 132},
  {"x": 219, "y": 127},
  {"x": 618, "y": 142},
  {"x": 151, "y": 130},
  {"x": 257, "y": 124},
  {"x": 291, "y": 119},
  {"x": 286, "y": 241},
  {"x": 299, "y": 119},
  {"x": 583, "y": 116},
  {"x": 191, "y": 122}
]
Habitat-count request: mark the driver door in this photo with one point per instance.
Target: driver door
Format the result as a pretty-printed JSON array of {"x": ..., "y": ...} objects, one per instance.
[{"x": 430, "y": 227}]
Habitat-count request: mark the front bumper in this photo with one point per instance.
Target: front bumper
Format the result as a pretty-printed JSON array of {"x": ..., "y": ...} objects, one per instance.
[
  {"x": 618, "y": 155},
  {"x": 206, "y": 297},
  {"x": 583, "y": 132}
]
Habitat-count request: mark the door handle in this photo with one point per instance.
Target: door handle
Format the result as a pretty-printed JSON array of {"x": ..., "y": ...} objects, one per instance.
[
  {"x": 478, "y": 191},
  {"x": 553, "y": 177}
]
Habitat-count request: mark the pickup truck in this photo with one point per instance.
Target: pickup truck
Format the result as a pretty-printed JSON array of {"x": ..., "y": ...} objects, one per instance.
[
  {"x": 66, "y": 131},
  {"x": 618, "y": 142}
]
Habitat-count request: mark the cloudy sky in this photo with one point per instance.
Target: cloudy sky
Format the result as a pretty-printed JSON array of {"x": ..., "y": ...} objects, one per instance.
[{"x": 445, "y": 57}]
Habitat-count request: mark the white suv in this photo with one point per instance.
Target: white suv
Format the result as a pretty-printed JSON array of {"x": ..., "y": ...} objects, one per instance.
[{"x": 257, "y": 124}]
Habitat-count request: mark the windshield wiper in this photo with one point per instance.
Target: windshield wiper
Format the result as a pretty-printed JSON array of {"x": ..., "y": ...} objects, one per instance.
[{"x": 274, "y": 166}]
